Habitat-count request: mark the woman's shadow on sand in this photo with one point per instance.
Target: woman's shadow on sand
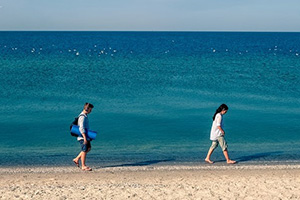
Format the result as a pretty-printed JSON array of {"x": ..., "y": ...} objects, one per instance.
[
  {"x": 138, "y": 164},
  {"x": 253, "y": 157}
]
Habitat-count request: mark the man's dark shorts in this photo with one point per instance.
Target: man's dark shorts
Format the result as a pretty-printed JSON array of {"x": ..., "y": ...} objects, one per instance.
[{"x": 85, "y": 147}]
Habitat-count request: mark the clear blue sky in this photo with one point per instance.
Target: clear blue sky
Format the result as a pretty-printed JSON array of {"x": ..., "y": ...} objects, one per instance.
[{"x": 151, "y": 15}]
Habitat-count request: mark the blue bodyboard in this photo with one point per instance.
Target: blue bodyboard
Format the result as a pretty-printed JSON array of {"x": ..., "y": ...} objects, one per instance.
[{"x": 90, "y": 134}]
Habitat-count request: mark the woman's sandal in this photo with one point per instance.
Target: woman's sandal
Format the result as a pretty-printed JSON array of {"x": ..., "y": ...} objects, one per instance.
[
  {"x": 231, "y": 162},
  {"x": 209, "y": 161},
  {"x": 87, "y": 169}
]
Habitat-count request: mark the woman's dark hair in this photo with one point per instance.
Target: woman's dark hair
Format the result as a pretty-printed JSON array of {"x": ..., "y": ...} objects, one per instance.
[{"x": 221, "y": 108}]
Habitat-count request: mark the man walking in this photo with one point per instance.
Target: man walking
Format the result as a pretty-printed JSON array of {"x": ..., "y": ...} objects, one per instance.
[{"x": 85, "y": 142}]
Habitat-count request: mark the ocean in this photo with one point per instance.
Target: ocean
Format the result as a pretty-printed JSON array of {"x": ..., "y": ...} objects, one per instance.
[{"x": 154, "y": 95}]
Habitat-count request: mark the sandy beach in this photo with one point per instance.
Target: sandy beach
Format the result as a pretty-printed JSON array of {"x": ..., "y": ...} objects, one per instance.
[{"x": 153, "y": 182}]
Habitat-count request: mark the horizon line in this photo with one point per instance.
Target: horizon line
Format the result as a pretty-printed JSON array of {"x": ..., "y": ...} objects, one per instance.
[{"x": 258, "y": 31}]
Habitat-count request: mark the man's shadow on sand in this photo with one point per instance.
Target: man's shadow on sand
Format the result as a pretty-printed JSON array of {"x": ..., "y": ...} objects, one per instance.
[
  {"x": 138, "y": 164},
  {"x": 253, "y": 157}
]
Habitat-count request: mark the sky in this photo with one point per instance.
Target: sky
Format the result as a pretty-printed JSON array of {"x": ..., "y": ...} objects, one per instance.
[{"x": 150, "y": 15}]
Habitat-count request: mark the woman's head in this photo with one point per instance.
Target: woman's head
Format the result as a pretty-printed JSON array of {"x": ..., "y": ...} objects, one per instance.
[{"x": 222, "y": 109}]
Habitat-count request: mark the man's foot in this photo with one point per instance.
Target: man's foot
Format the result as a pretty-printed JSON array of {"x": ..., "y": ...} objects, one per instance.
[
  {"x": 231, "y": 161},
  {"x": 209, "y": 161},
  {"x": 76, "y": 163},
  {"x": 87, "y": 169}
]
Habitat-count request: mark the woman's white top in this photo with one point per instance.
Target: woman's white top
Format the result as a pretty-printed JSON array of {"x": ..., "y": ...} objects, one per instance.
[{"x": 215, "y": 132}]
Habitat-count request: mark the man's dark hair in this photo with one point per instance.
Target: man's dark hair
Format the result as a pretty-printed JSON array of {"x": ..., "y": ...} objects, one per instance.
[{"x": 88, "y": 105}]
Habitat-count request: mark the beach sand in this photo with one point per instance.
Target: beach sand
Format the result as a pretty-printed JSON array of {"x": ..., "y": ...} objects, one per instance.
[{"x": 153, "y": 182}]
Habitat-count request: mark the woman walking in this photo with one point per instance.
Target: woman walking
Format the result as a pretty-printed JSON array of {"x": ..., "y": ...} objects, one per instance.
[{"x": 217, "y": 135}]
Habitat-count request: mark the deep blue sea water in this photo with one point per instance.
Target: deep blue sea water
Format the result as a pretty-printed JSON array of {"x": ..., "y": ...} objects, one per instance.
[{"x": 154, "y": 95}]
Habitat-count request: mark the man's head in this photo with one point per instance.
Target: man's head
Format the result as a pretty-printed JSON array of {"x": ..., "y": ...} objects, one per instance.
[{"x": 88, "y": 108}]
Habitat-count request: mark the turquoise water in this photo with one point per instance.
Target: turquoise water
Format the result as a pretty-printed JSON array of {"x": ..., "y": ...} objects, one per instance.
[{"x": 154, "y": 95}]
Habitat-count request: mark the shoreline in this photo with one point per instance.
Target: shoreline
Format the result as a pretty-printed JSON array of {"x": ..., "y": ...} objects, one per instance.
[
  {"x": 152, "y": 182},
  {"x": 172, "y": 167},
  {"x": 157, "y": 164}
]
